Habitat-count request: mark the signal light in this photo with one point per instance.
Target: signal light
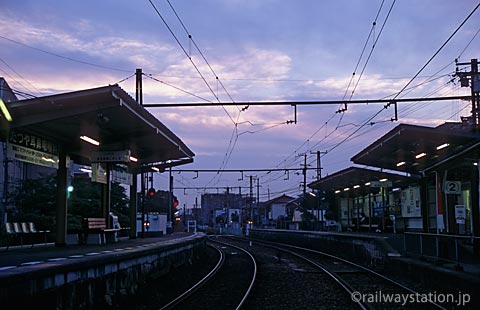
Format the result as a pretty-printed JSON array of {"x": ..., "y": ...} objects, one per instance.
[
  {"x": 175, "y": 203},
  {"x": 151, "y": 192}
]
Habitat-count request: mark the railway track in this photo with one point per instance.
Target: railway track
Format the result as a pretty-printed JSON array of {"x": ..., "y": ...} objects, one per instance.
[
  {"x": 366, "y": 288},
  {"x": 226, "y": 286}
]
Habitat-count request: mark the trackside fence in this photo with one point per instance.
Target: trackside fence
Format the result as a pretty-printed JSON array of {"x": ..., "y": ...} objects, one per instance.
[{"x": 453, "y": 248}]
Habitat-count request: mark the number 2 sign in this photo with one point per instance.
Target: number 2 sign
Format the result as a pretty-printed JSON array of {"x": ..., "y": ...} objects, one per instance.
[{"x": 453, "y": 187}]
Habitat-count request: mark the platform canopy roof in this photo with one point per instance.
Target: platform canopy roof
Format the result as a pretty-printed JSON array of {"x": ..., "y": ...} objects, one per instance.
[
  {"x": 106, "y": 114},
  {"x": 415, "y": 149},
  {"x": 360, "y": 180}
]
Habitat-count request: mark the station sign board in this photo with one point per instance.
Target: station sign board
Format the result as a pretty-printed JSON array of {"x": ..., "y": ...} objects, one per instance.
[
  {"x": 381, "y": 184},
  {"x": 31, "y": 156},
  {"x": 32, "y": 149},
  {"x": 99, "y": 175},
  {"x": 453, "y": 187},
  {"x": 460, "y": 214},
  {"x": 111, "y": 156}
]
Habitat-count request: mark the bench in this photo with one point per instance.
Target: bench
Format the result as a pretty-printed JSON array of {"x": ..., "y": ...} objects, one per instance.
[
  {"x": 96, "y": 231},
  {"x": 21, "y": 230}
]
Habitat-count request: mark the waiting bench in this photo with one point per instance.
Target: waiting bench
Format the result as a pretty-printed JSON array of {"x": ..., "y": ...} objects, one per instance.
[
  {"x": 24, "y": 230},
  {"x": 96, "y": 231}
]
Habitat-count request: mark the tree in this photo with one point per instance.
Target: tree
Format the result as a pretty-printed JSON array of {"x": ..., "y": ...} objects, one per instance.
[
  {"x": 35, "y": 201},
  {"x": 85, "y": 201}
]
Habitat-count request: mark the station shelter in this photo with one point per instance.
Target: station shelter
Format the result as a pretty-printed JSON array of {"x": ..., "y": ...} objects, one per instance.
[
  {"x": 371, "y": 200},
  {"x": 104, "y": 128},
  {"x": 414, "y": 178}
]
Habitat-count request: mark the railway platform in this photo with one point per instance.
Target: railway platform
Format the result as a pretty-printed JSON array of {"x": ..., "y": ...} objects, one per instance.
[
  {"x": 28, "y": 255},
  {"x": 81, "y": 276}
]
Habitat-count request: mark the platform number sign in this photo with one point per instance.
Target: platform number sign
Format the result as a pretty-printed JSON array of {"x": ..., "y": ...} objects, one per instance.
[{"x": 453, "y": 187}]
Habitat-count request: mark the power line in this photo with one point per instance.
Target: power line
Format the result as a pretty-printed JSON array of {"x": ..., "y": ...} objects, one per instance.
[
  {"x": 438, "y": 51},
  {"x": 64, "y": 57}
]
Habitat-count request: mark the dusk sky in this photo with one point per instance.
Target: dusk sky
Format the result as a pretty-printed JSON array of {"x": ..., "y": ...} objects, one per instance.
[{"x": 261, "y": 50}]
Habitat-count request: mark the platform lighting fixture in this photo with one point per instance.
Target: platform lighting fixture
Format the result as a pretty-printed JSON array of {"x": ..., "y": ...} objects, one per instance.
[
  {"x": 346, "y": 189},
  {"x": 134, "y": 159},
  {"x": 475, "y": 164},
  {"x": 356, "y": 186},
  {"x": 155, "y": 169},
  {"x": 400, "y": 164},
  {"x": 90, "y": 140},
  {"x": 367, "y": 184},
  {"x": 337, "y": 191},
  {"x": 85, "y": 170},
  {"x": 420, "y": 155},
  {"x": 5, "y": 111},
  {"x": 442, "y": 146},
  {"x": 48, "y": 159},
  {"x": 383, "y": 180}
]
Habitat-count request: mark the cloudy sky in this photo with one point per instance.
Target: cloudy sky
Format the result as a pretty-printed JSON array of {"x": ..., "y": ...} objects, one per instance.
[{"x": 260, "y": 50}]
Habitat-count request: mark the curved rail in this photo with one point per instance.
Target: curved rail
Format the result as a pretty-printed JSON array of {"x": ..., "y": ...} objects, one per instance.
[
  {"x": 254, "y": 276},
  {"x": 191, "y": 290},
  {"x": 346, "y": 262},
  {"x": 334, "y": 277}
]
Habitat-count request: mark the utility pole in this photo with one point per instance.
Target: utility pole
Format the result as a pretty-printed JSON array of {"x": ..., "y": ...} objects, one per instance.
[
  {"x": 319, "y": 163},
  {"x": 474, "y": 87},
  {"x": 251, "y": 198},
  {"x": 304, "y": 171}
]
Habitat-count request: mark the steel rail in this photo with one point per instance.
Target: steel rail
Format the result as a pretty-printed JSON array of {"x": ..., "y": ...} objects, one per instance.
[
  {"x": 199, "y": 284},
  {"x": 254, "y": 276},
  {"x": 332, "y": 275},
  {"x": 351, "y": 264}
]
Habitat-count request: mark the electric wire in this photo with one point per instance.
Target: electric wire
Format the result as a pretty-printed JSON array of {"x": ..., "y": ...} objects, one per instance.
[
  {"x": 64, "y": 57},
  {"x": 438, "y": 51}
]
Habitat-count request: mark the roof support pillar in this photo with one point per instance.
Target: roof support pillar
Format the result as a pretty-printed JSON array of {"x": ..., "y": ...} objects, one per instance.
[
  {"x": 61, "y": 214},
  {"x": 106, "y": 188},
  {"x": 133, "y": 207}
]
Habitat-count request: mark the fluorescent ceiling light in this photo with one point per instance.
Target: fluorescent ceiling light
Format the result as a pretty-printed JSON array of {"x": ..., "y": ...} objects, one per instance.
[
  {"x": 134, "y": 159},
  {"x": 383, "y": 180},
  {"x": 337, "y": 191},
  {"x": 89, "y": 140},
  {"x": 356, "y": 186},
  {"x": 85, "y": 170},
  {"x": 401, "y": 164},
  {"x": 5, "y": 111},
  {"x": 48, "y": 159},
  {"x": 346, "y": 189},
  {"x": 442, "y": 146},
  {"x": 155, "y": 169},
  {"x": 420, "y": 155},
  {"x": 367, "y": 184}
]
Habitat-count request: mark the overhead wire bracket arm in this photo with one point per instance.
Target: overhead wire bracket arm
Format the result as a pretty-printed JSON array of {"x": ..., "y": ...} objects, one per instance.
[{"x": 294, "y": 115}]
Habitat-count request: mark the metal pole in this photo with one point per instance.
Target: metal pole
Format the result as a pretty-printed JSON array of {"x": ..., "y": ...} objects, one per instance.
[
  {"x": 421, "y": 246},
  {"x": 169, "y": 220}
]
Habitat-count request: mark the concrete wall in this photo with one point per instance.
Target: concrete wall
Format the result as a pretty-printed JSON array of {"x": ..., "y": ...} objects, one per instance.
[{"x": 89, "y": 281}]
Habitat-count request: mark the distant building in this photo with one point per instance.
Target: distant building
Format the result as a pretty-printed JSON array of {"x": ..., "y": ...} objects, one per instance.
[
  {"x": 279, "y": 207},
  {"x": 221, "y": 209}
]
